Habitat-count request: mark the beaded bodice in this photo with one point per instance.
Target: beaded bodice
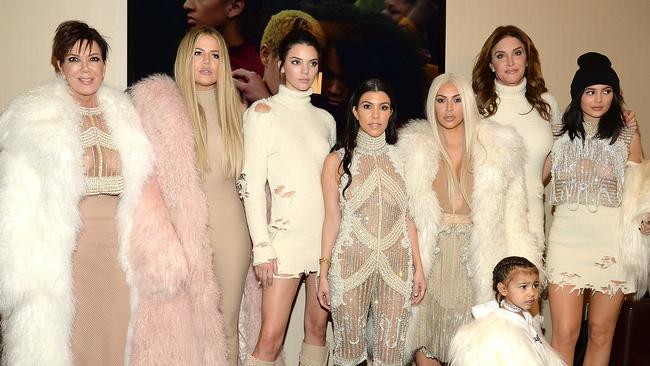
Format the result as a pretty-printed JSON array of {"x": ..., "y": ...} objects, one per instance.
[
  {"x": 373, "y": 221},
  {"x": 590, "y": 171},
  {"x": 101, "y": 159}
]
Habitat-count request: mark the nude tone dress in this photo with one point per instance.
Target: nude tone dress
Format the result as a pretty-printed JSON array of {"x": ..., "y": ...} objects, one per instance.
[
  {"x": 227, "y": 227},
  {"x": 447, "y": 304},
  {"x": 100, "y": 288}
]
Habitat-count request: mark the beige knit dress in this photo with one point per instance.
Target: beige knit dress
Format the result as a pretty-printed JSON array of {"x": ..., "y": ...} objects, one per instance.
[
  {"x": 227, "y": 227},
  {"x": 100, "y": 289}
]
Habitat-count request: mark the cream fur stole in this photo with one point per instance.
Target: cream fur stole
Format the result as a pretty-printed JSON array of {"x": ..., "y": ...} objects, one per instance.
[{"x": 634, "y": 247}]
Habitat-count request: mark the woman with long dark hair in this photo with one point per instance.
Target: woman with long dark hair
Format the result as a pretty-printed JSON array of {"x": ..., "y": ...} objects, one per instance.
[
  {"x": 595, "y": 245},
  {"x": 368, "y": 238}
]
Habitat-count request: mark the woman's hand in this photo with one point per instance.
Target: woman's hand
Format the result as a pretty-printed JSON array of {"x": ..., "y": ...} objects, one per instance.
[
  {"x": 630, "y": 119},
  {"x": 645, "y": 225},
  {"x": 419, "y": 287},
  {"x": 324, "y": 291},
  {"x": 265, "y": 271}
]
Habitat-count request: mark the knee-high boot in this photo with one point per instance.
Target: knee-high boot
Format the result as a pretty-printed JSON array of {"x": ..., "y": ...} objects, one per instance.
[
  {"x": 314, "y": 355},
  {"x": 252, "y": 361}
]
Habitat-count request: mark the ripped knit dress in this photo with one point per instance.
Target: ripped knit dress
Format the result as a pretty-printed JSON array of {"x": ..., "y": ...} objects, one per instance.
[{"x": 286, "y": 140}]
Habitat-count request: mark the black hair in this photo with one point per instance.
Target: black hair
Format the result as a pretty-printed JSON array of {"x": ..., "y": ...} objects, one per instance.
[
  {"x": 349, "y": 139},
  {"x": 609, "y": 126},
  {"x": 502, "y": 271},
  {"x": 298, "y": 35},
  {"x": 69, "y": 33}
]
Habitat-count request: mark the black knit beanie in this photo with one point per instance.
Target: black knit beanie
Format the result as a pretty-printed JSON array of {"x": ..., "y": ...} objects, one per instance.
[{"x": 594, "y": 68}]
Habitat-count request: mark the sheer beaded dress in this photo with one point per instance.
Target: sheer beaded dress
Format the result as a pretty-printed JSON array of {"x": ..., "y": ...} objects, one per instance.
[
  {"x": 372, "y": 267},
  {"x": 449, "y": 298},
  {"x": 100, "y": 289}
]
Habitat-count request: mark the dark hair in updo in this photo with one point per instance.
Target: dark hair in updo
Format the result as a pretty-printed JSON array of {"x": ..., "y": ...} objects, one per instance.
[
  {"x": 502, "y": 271},
  {"x": 69, "y": 33},
  {"x": 298, "y": 35}
]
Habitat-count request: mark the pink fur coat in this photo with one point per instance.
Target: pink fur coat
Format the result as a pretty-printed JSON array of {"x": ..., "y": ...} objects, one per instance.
[{"x": 191, "y": 317}]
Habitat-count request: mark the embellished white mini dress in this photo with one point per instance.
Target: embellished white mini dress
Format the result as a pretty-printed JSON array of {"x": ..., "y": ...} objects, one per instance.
[
  {"x": 587, "y": 190},
  {"x": 372, "y": 264}
]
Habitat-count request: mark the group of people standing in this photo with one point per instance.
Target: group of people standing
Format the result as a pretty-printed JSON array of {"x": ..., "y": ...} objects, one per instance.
[{"x": 123, "y": 239}]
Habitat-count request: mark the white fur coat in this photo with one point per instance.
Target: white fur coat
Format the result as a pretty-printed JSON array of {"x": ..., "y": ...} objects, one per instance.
[
  {"x": 41, "y": 185},
  {"x": 498, "y": 202},
  {"x": 634, "y": 246}
]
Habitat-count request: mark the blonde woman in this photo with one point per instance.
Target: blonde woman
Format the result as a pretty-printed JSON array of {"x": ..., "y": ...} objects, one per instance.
[
  {"x": 467, "y": 197},
  {"x": 205, "y": 97}
]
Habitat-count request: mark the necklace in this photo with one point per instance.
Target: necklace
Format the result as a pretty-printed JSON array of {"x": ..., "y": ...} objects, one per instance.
[
  {"x": 510, "y": 307},
  {"x": 590, "y": 128}
]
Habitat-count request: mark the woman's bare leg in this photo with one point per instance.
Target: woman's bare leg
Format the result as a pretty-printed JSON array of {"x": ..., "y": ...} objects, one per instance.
[
  {"x": 566, "y": 312},
  {"x": 603, "y": 314},
  {"x": 276, "y": 309}
]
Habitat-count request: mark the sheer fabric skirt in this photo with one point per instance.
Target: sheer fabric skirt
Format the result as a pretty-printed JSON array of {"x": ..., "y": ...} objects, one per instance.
[{"x": 447, "y": 304}]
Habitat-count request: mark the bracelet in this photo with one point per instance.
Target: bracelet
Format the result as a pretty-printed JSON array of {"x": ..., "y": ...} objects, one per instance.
[{"x": 325, "y": 260}]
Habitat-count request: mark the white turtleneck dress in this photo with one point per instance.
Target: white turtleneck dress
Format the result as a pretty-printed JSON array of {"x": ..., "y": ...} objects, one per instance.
[
  {"x": 514, "y": 110},
  {"x": 372, "y": 266},
  {"x": 286, "y": 144}
]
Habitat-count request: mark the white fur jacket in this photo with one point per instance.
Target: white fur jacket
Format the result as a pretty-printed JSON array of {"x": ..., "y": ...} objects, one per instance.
[
  {"x": 498, "y": 202},
  {"x": 41, "y": 185},
  {"x": 634, "y": 246}
]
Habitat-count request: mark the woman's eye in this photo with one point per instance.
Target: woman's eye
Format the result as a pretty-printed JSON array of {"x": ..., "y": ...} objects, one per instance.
[
  {"x": 197, "y": 53},
  {"x": 215, "y": 56},
  {"x": 607, "y": 91},
  {"x": 95, "y": 59},
  {"x": 295, "y": 62},
  {"x": 499, "y": 56},
  {"x": 366, "y": 106},
  {"x": 519, "y": 52},
  {"x": 73, "y": 59},
  {"x": 589, "y": 92},
  {"x": 314, "y": 64},
  {"x": 384, "y": 107},
  {"x": 457, "y": 100},
  {"x": 440, "y": 100}
]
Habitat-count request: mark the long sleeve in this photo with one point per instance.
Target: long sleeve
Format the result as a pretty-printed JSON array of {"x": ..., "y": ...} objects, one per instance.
[{"x": 255, "y": 176}]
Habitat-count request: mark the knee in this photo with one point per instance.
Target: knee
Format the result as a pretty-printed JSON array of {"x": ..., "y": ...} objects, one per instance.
[
  {"x": 316, "y": 327},
  {"x": 269, "y": 344},
  {"x": 566, "y": 334},
  {"x": 601, "y": 333}
]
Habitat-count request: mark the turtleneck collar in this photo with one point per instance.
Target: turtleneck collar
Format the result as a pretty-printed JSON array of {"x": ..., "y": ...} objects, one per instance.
[
  {"x": 294, "y": 98},
  {"x": 369, "y": 143},
  {"x": 206, "y": 93},
  {"x": 510, "y": 91}
]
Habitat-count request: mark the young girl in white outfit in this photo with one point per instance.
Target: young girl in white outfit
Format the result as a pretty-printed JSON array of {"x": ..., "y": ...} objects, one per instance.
[{"x": 504, "y": 332}]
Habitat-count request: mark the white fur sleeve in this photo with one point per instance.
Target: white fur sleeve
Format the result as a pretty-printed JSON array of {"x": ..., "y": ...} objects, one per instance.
[{"x": 492, "y": 341}]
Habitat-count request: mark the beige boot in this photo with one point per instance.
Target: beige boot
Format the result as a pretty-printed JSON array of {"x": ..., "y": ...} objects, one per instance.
[
  {"x": 252, "y": 361},
  {"x": 314, "y": 355}
]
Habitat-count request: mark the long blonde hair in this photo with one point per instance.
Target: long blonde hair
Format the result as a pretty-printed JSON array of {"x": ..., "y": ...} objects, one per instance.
[
  {"x": 471, "y": 119},
  {"x": 228, "y": 104}
]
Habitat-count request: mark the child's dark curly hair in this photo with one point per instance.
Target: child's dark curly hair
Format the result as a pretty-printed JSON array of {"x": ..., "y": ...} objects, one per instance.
[{"x": 502, "y": 271}]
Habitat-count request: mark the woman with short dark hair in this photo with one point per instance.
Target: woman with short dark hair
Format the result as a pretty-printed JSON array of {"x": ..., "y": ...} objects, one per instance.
[{"x": 99, "y": 265}]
